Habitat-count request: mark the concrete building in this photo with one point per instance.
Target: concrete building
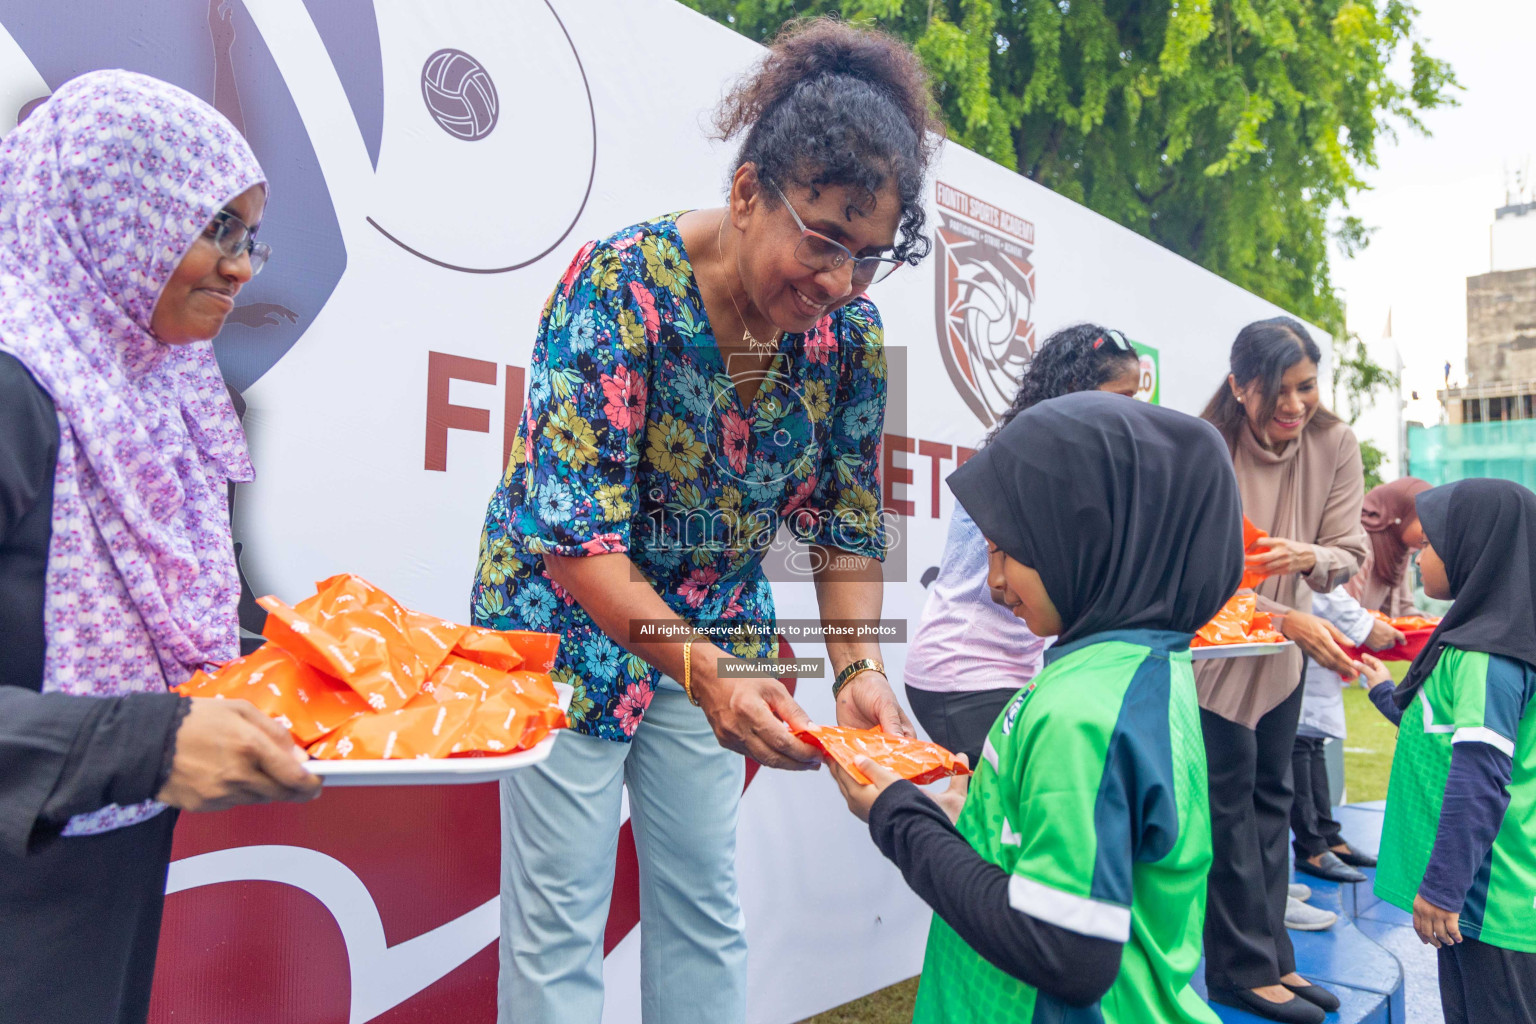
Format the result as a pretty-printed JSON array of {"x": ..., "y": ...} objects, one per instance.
[
  {"x": 1501, "y": 327},
  {"x": 1489, "y": 426}
]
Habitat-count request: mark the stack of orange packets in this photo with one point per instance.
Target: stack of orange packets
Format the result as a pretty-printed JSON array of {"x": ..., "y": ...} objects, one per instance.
[
  {"x": 353, "y": 675},
  {"x": 920, "y": 761},
  {"x": 1238, "y": 622}
]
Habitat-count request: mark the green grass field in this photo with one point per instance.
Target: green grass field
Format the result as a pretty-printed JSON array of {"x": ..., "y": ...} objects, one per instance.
[
  {"x": 888, "y": 1006},
  {"x": 1368, "y": 749},
  {"x": 1367, "y": 763}
]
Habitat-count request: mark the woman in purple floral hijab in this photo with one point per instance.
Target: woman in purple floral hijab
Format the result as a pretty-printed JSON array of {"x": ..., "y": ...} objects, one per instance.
[{"x": 128, "y": 211}]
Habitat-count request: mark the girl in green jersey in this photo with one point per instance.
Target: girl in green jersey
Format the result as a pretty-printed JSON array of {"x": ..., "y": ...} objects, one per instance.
[
  {"x": 1069, "y": 882},
  {"x": 1458, "y": 846}
]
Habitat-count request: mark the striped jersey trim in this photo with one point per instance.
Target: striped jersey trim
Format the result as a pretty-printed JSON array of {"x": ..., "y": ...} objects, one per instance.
[
  {"x": 1075, "y": 913},
  {"x": 1482, "y": 734},
  {"x": 989, "y": 754},
  {"x": 1429, "y": 718}
]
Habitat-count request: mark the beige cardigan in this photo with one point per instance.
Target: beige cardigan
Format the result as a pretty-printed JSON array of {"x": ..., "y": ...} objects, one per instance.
[{"x": 1310, "y": 491}]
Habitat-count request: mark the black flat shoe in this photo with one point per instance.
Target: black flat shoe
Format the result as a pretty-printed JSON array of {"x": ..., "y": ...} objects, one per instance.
[
  {"x": 1316, "y": 995},
  {"x": 1332, "y": 869},
  {"x": 1297, "y": 1011},
  {"x": 1354, "y": 858}
]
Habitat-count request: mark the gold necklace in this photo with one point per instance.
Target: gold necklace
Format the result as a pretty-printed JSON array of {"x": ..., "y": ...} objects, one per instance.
[{"x": 747, "y": 337}]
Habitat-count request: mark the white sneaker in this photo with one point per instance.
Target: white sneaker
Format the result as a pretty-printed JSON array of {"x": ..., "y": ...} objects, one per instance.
[
  {"x": 1303, "y": 917},
  {"x": 1300, "y": 892}
]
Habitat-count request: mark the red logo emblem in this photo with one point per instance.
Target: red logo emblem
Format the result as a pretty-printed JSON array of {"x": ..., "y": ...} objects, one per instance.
[{"x": 986, "y": 300}]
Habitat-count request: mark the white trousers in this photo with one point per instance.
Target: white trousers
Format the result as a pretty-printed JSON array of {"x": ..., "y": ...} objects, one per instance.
[{"x": 560, "y": 832}]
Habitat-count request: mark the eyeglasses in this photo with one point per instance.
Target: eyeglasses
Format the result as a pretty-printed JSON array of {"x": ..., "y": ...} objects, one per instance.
[
  {"x": 1116, "y": 339},
  {"x": 235, "y": 238},
  {"x": 819, "y": 253}
]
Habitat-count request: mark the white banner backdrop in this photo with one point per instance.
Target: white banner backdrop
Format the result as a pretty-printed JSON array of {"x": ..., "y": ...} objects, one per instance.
[{"x": 434, "y": 167}]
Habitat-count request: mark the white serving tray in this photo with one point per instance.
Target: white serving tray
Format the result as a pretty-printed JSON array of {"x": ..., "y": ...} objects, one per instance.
[
  {"x": 438, "y": 771},
  {"x": 1238, "y": 650}
]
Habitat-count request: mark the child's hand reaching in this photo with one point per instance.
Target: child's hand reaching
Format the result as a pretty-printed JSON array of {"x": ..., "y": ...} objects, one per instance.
[
  {"x": 952, "y": 800},
  {"x": 1376, "y": 675},
  {"x": 1374, "y": 671},
  {"x": 861, "y": 797}
]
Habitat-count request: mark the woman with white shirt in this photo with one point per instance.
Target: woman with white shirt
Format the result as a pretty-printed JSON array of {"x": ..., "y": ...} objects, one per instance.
[{"x": 970, "y": 654}]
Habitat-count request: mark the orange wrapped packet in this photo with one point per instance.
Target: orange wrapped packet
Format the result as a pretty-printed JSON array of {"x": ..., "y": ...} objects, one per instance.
[
  {"x": 361, "y": 657},
  {"x": 538, "y": 649},
  {"x": 1251, "y": 536},
  {"x": 1230, "y": 626},
  {"x": 917, "y": 760},
  {"x": 495, "y": 727},
  {"x": 536, "y": 691},
  {"x": 1408, "y": 623},
  {"x": 305, "y": 702},
  {"x": 338, "y": 600},
  {"x": 460, "y": 679},
  {"x": 434, "y": 639},
  {"x": 1238, "y": 622},
  {"x": 489, "y": 647},
  {"x": 513, "y": 710},
  {"x": 508, "y": 649},
  {"x": 352, "y": 630},
  {"x": 507, "y": 722},
  {"x": 417, "y": 732}
]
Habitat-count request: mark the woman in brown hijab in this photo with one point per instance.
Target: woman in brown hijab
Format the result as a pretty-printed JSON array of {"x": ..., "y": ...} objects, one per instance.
[
  {"x": 1299, "y": 472},
  {"x": 1392, "y": 521}
]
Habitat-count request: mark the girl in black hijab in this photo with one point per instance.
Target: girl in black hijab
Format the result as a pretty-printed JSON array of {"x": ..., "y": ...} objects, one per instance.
[
  {"x": 1458, "y": 847},
  {"x": 1116, "y": 527}
]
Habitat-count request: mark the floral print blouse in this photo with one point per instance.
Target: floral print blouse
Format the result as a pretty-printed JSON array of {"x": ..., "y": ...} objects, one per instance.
[{"x": 634, "y": 439}]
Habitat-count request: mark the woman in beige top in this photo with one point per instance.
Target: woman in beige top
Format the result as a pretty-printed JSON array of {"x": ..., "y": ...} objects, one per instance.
[{"x": 1298, "y": 469}]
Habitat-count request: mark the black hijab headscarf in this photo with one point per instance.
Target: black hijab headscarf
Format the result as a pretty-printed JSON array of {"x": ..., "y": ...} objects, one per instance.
[
  {"x": 1129, "y": 512},
  {"x": 1485, "y": 532}
]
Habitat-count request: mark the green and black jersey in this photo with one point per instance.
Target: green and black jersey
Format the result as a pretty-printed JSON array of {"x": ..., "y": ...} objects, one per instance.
[
  {"x": 1092, "y": 797},
  {"x": 1470, "y": 697}
]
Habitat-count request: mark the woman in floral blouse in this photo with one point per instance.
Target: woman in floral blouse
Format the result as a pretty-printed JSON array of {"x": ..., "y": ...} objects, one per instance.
[{"x": 699, "y": 380}]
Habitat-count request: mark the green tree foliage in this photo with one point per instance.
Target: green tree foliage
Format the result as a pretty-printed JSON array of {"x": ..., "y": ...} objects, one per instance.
[
  {"x": 1224, "y": 130},
  {"x": 1371, "y": 456}
]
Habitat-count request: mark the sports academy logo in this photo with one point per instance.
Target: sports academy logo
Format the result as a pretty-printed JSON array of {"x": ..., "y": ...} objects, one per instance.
[{"x": 985, "y": 301}]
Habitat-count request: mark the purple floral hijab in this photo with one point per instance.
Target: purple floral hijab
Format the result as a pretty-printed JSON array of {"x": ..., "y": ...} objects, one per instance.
[{"x": 102, "y": 191}]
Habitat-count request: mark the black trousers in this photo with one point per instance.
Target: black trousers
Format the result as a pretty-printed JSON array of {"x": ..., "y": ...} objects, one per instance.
[
  {"x": 1483, "y": 984},
  {"x": 959, "y": 722},
  {"x": 1246, "y": 944},
  {"x": 79, "y": 926},
  {"x": 1312, "y": 811}
]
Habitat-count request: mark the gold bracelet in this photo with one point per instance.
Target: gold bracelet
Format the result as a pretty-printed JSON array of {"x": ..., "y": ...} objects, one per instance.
[
  {"x": 854, "y": 668},
  {"x": 688, "y": 670}
]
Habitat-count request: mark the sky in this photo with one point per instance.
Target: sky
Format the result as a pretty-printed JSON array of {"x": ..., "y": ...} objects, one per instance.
[{"x": 1432, "y": 199}]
